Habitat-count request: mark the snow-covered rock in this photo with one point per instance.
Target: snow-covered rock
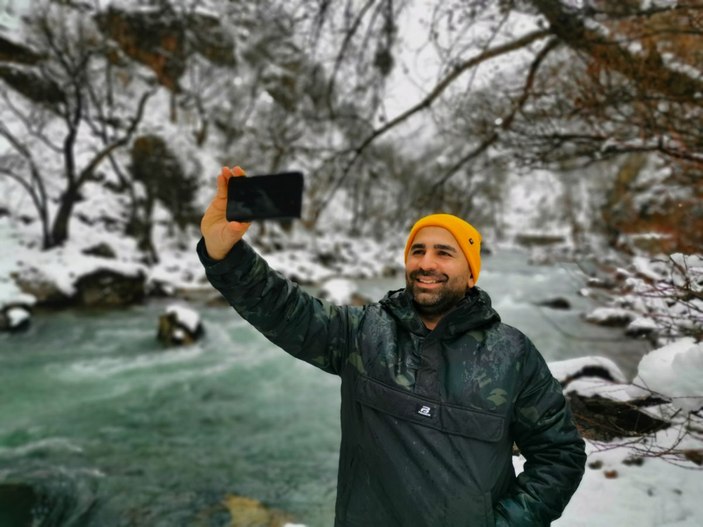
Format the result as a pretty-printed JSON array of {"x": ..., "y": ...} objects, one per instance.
[
  {"x": 610, "y": 316},
  {"x": 605, "y": 406},
  {"x": 15, "y": 306},
  {"x": 675, "y": 371},
  {"x": 66, "y": 276},
  {"x": 341, "y": 291},
  {"x": 640, "y": 327},
  {"x": 14, "y": 318},
  {"x": 179, "y": 325},
  {"x": 558, "y": 302},
  {"x": 565, "y": 371},
  {"x": 338, "y": 291}
]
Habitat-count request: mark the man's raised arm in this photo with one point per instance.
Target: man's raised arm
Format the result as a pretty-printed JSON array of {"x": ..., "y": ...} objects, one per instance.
[{"x": 304, "y": 326}]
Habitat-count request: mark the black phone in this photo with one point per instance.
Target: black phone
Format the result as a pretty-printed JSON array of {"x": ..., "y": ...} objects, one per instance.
[{"x": 263, "y": 197}]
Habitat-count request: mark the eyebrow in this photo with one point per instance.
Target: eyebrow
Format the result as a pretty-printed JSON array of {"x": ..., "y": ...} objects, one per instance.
[{"x": 437, "y": 246}]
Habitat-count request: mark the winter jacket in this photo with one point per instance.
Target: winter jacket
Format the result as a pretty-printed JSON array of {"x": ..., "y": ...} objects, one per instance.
[{"x": 428, "y": 418}]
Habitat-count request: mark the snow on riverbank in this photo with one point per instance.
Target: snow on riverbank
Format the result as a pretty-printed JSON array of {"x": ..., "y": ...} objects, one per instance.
[
  {"x": 650, "y": 481},
  {"x": 618, "y": 491}
]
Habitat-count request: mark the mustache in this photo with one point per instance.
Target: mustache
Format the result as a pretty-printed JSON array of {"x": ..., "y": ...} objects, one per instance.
[{"x": 428, "y": 274}]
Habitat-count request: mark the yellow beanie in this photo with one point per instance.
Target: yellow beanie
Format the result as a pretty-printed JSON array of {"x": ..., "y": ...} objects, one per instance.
[{"x": 467, "y": 237}]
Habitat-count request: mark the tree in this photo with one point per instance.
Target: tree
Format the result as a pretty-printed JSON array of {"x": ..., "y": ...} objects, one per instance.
[
  {"x": 78, "y": 109},
  {"x": 584, "y": 84}
]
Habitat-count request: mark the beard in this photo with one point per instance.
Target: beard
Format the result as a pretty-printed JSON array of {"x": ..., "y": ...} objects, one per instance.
[{"x": 437, "y": 300}]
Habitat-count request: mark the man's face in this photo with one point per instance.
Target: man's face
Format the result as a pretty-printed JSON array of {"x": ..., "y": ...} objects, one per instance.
[{"x": 436, "y": 271}]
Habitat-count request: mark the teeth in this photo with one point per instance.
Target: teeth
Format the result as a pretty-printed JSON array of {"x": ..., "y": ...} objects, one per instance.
[{"x": 425, "y": 281}]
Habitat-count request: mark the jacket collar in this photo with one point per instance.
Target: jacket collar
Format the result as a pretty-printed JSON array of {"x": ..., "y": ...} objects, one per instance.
[{"x": 474, "y": 311}]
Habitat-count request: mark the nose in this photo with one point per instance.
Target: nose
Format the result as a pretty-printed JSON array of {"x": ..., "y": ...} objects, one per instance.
[{"x": 427, "y": 262}]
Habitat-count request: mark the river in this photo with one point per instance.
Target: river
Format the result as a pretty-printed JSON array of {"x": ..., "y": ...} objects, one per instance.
[{"x": 100, "y": 425}]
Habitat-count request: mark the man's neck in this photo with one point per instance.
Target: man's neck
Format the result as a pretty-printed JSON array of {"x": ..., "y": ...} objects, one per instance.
[{"x": 430, "y": 322}]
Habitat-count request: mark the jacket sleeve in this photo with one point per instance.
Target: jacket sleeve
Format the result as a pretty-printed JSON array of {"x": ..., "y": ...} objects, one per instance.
[
  {"x": 546, "y": 435},
  {"x": 304, "y": 326}
]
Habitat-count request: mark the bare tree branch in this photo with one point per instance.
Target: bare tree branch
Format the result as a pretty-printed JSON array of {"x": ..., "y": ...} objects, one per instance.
[
  {"x": 425, "y": 103},
  {"x": 645, "y": 70},
  {"x": 89, "y": 169},
  {"x": 343, "y": 50}
]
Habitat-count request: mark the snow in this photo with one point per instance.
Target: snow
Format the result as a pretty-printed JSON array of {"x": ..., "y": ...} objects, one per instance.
[
  {"x": 338, "y": 291},
  {"x": 675, "y": 370},
  {"x": 185, "y": 316},
  {"x": 11, "y": 294},
  {"x": 656, "y": 494},
  {"x": 617, "y": 389},
  {"x": 64, "y": 266},
  {"x": 297, "y": 264},
  {"x": 604, "y": 315},
  {"x": 593, "y": 386},
  {"x": 641, "y": 324},
  {"x": 17, "y": 316},
  {"x": 661, "y": 490},
  {"x": 564, "y": 369}
]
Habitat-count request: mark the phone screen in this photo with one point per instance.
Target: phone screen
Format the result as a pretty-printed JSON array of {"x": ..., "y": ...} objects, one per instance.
[{"x": 271, "y": 196}]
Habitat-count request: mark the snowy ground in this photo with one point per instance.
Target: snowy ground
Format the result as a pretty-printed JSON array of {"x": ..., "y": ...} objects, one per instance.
[
  {"x": 643, "y": 482},
  {"x": 654, "y": 494}
]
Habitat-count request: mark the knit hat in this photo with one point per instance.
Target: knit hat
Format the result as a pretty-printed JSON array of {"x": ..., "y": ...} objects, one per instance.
[{"x": 467, "y": 237}]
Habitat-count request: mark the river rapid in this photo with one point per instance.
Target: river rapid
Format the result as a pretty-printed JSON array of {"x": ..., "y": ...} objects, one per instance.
[{"x": 101, "y": 425}]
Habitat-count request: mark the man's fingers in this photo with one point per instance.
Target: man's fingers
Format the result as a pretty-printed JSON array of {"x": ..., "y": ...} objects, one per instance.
[
  {"x": 223, "y": 178},
  {"x": 237, "y": 226}
]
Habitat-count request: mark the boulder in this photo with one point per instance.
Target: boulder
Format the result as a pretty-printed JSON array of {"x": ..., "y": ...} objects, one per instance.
[
  {"x": 179, "y": 326},
  {"x": 610, "y": 317},
  {"x": 566, "y": 371},
  {"x": 602, "y": 419},
  {"x": 46, "y": 496},
  {"x": 248, "y": 512},
  {"x": 101, "y": 250},
  {"x": 605, "y": 406},
  {"x": 45, "y": 291},
  {"x": 17, "y": 501},
  {"x": 537, "y": 239},
  {"x": 641, "y": 327},
  {"x": 110, "y": 288},
  {"x": 15, "y": 318},
  {"x": 341, "y": 291},
  {"x": 152, "y": 37},
  {"x": 555, "y": 303}
]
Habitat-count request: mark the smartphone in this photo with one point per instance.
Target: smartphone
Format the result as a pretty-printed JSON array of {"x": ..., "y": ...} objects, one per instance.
[{"x": 263, "y": 197}]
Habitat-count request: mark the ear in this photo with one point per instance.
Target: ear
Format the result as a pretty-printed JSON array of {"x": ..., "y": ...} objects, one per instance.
[{"x": 472, "y": 282}]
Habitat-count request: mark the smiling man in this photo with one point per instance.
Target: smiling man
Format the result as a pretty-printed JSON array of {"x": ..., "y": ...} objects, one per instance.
[
  {"x": 437, "y": 271},
  {"x": 435, "y": 388}
]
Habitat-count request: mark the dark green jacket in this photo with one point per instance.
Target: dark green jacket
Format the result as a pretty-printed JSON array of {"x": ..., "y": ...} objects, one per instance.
[{"x": 428, "y": 417}]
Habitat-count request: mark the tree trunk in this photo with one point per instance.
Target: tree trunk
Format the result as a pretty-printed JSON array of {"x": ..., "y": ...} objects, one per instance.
[
  {"x": 139, "y": 226},
  {"x": 59, "y": 231}
]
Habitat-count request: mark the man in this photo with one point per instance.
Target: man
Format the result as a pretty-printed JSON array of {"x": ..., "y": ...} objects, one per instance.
[{"x": 435, "y": 389}]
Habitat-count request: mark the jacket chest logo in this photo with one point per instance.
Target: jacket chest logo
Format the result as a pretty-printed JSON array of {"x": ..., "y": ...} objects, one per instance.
[{"x": 425, "y": 411}]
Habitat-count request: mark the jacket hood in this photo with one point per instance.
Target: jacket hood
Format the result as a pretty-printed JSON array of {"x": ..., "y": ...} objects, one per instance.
[{"x": 474, "y": 311}]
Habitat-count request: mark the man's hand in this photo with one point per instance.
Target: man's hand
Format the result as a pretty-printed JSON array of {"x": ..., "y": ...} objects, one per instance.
[{"x": 220, "y": 235}]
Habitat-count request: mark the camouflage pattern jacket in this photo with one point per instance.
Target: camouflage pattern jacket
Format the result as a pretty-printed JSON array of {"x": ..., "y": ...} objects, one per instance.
[{"x": 428, "y": 417}]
